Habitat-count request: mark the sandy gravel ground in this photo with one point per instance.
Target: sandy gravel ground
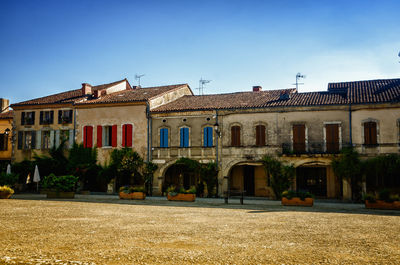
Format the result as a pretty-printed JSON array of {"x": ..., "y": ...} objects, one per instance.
[{"x": 158, "y": 232}]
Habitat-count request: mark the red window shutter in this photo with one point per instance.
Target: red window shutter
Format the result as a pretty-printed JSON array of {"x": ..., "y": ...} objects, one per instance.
[
  {"x": 128, "y": 135},
  {"x": 88, "y": 136},
  {"x": 114, "y": 136},
  {"x": 99, "y": 135},
  {"x": 124, "y": 135}
]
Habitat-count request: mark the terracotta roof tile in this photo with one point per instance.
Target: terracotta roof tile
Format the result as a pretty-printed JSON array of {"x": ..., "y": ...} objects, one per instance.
[
  {"x": 7, "y": 115},
  {"x": 64, "y": 97}
]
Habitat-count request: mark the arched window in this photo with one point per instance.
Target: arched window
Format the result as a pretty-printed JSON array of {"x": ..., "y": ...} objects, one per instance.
[
  {"x": 260, "y": 135},
  {"x": 235, "y": 135},
  {"x": 208, "y": 136},
  {"x": 184, "y": 137}
]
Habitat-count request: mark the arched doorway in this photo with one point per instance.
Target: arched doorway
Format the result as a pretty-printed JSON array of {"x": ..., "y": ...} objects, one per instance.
[
  {"x": 251, "y": 178},
  {"x": 312, "y": 179},
  {"x": 179, "y": 175}
]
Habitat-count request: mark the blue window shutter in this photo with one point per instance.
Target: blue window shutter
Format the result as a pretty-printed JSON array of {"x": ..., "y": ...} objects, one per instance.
[
  {"x": 165, "y": 137},
  {"x": 205, "y": 137},
  {"x": 182, "y": 132},
  {"x": 210, "y": 136},
  {"x": 161, "y": 137},
  {"x": 186, "y": 138}
]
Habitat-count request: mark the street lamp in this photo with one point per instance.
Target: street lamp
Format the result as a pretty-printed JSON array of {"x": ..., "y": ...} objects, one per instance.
[
  {"x": 7, "y": 131},
  {"x": 216, "y": 129}
]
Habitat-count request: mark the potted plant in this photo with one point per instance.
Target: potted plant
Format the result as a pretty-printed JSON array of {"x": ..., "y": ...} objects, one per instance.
[
  {"x": 181, "y": 194},
  {"x": 299, "y": 198},
  {"x": 60, "y": 186},
  {"x": 6, "y": 192},
  {"x": 384, "y": 200},
  {"x": 133, "y": 193}
]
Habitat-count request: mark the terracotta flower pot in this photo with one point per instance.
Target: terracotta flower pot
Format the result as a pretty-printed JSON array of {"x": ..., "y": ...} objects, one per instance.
[
  {"x": 382, "y": 205},
  {"x": 296, "y": 201},
  {"x": 5, "y": 195},
  {"x": 137, "y": 195},
  {"x": 182, "y": 197},
  {"x": 60, "y": 194}
]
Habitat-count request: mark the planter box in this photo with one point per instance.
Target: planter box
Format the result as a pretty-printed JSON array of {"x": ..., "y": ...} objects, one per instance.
[
  {"x": 5, "y": 195},
  {"x": 182, "y": 197},
  {"x": 60, "y": 195},
  {"x": 382, "y": 205},
  {"x": 132, "y": 196},
  {"x": 296, "y": 201}
]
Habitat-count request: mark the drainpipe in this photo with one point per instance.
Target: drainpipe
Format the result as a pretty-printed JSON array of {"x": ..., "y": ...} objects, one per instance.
[
  {"x": 216, "y": 142},
  {"x": 148, "y": 131},
  {"x": 350, "y": 120},
  {"x": 74, "y": 125}
]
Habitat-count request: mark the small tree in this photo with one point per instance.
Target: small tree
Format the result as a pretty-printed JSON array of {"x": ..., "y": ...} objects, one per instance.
[
  {"x": 349, "y": 166},
  {"x": 82, "y": 163},
  {"x": 209, "y": 174},
  {"x": 281, "y": 175},
  {"x": 128, "y": 165},
  {"x": 148, "y": 173}
]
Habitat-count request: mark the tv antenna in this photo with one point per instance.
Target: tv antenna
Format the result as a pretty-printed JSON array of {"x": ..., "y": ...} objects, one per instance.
[
  {"x": 399, "y": 55},
  {"x": 137, "y": 77},
  {"x": 298, "y": 76},
  {"x": 202, "y": 82}
]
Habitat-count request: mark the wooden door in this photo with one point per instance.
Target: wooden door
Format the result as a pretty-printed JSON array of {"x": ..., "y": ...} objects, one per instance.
[
  {"x": 299, "y": 138},
  {"x": 332, "y": 138}
]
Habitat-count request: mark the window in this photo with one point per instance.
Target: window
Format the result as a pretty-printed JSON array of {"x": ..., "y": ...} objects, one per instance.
[
  {"x": 332, "y": 138},
  {"x": 64, "y": 136},
  {"x": 164, "y": 137},
  {"x": 235, "y": 135},
  {"x": 28, "y": 118},
  {"x": 3, "y": 142},
  {"x": 260, "y": 135},
  {"x": 127, "y": 135},
  {"x": 107, "y": 136},
  {"x": 46, "y": 117},
  {"x": 370, "y": 135},
  {"x": 64, "y": 116},
  {"x": 299, "y": 138},
  {"x": 184, "y": 136},
  {"x": 26, "y": 140},
  {"x": 88, "y": 136},
  {"x": 46, "y": 140},
  {"x": 208, "y": 136}
]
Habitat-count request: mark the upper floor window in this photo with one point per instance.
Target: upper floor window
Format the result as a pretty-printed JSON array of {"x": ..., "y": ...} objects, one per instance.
[
  {"x": 370, "y": 133},
  {"x": 107, "y": 136},
  {"x": 127, "y": 135},
  {"x": 65, "y": 116},
  {"x": 299, "y": 138},
  {"x": 88, "y": 136},
  {"x": 235, "y": 135},
  {"x": 3, "y": 142},
  {"x": 28, "y": 118},
  {"x": 46, "y": 117},
  {"x": 332, "y": 138},
  {"x": 184, "y": 137},
  {"x": 260, "y": 135},
  {"x": 46, "y": 140},
  {"x": 164, "y": 137},
  {"x": 208, "y": 137}
]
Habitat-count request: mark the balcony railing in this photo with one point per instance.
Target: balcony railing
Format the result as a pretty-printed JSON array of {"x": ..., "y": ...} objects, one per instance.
[
  {"x": 191, "y": 151},
  {"x": 313, "y": 148}
]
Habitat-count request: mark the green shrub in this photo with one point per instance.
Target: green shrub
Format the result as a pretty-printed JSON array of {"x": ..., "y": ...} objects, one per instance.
[
  {"x": 369, "y": 197},
  {"x": 59, "y": 183},
  {"x": 281, "y": 175},
  {"x": 290, "y": 194},
  {"x": 384, "y": 195},
  {"x": 8, "y": 179}
]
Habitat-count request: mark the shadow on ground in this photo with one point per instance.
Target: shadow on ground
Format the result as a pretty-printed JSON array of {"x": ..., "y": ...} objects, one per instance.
[{"x": 253, "y": 206}]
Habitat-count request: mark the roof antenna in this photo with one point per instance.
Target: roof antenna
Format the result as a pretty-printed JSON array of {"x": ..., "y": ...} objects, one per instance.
[
  {"x": 137, "y": 77},
  {"x": 202, "y": 82},
  {"x": 399, "y": 55},
  {"x": 298, "y": 76}
]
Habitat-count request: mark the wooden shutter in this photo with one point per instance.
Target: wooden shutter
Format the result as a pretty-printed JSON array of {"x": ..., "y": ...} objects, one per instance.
[
  {"x": 41, "y": 118},
  {"x": 33, "y": 118},
  {"x": 114, "y": 136},
  {"x": 332, "y": 138},
  {"x": 51, "y": 117},
  {"x": 164, "y": 137},
  {"x": 299, "y": 138},
  {"x": 208, "y": 136},
  {"x": 33, "y": 140},
  {"x": 59, "y": 116},
  {"x": 235, "y": 135},
  {"x": 260, "y": 135},
  {"x": 124, "y": 135},
  {"x": 22, "y": 118},
  {"x": 99, "y": 136},
  {"x": 128, "y": 134},
  {"x": 205, "y": 137},
  {"x": 370, "y": 134},
  {"x": 88, "y": 136},
  {"x": 184, "y": 137},
  {"x": 20, "y": 139},
  {"x": 70, "y": 116}
]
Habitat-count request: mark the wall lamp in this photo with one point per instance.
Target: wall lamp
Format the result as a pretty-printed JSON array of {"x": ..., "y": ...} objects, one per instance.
[{"x": 216, "y": 129}]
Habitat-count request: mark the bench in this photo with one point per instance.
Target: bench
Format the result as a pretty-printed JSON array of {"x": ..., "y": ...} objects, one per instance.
[{"x": 231, "y": 193}]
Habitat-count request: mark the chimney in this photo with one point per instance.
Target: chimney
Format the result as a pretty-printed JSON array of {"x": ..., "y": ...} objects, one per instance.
[
  {"x": 4, "y": 104},
  {"x": 97, "y": 93},
  {"x": 257, "y": 88},
  {"x": 86, "y": 89}
]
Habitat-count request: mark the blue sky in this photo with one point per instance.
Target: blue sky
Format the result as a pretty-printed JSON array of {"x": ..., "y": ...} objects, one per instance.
[{"x": 52, "y": 46}]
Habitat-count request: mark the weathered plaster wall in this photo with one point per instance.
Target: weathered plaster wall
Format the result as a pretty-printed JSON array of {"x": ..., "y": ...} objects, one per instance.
[{"x": 4, "y": 124}]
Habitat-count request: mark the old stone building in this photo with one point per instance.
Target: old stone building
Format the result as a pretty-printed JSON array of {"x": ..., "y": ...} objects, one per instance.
[
  {"x": 6, "y": 117},
  {"x": 303, "y": 129}
]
